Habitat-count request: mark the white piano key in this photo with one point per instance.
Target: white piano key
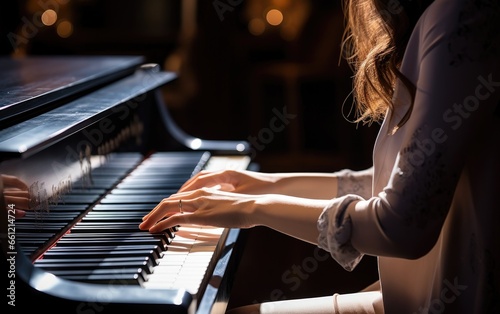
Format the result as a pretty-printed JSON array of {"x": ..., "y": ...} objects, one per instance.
[{"x": 188, "y": 258}]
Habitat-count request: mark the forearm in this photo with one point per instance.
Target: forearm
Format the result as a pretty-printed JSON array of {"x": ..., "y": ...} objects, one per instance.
[
  {"x": 324, "y": 185},
  {"x": 294, "y": 216},
  {"x": 306, "y": 185}
]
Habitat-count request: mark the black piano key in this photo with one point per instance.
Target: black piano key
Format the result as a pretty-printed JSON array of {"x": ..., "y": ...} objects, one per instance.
[
  {"x": 154, "y": 180},
  {"x": 144, "y": 264},
  {"x": 125, "y": 275},
  {"x": 102, "y": 272},
  {"x": 34, "y": 219},
  {"x": 115, "y": 172},
  {"x": 79, "y": 198},
  {"x": 151, "y": 199},
  {"x": 86, "y": 191},
  {"x": 138, "y": 234},
  {"x": 31, "y": 235},
  {"x": 159, "y": 172},
  {"x": 165, "y": 236},
  {"x": 33, "y": 240},
  {"x": 153, "y": 243},
  {"x": 152, "y": 251},
  {"x": 123, "y": 207},
  {"x": 101, "y": 182},
  {"x": 65, "y": 207},
  {"x": 28, "y": 250},
  {"x": 100, "y": 227},
  {"x": 154, "y": 190},
  {"x": 113, "y": 252},
  {"x": 110, "y": 218},
  {"x": 126, "y": 215},
  {"x": 122, "y": 279},
  {"x": 47, "y": 262},
  {"x": 42, "y": 227}
]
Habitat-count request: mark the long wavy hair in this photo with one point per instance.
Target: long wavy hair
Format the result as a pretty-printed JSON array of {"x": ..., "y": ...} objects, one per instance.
[{"x": 375, "y": 39}]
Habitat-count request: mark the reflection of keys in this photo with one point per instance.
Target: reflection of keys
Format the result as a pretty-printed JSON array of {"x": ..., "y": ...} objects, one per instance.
[{"x": 184, "y": 264}]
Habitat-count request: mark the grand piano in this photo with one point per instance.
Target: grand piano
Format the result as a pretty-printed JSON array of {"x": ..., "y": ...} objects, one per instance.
[{"x": 93, "y": 139}]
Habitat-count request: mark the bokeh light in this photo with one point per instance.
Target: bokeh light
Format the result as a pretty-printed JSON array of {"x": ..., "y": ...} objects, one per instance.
[
  {"x": 49, "y": 17},
  {"x": 274, "y": 17}
]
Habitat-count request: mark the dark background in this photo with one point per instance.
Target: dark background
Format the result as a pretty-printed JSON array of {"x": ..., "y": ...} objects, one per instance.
[{"x": 231, "y": 85}]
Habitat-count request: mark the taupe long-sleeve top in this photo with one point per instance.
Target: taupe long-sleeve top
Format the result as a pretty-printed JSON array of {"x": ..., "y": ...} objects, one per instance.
[{"x": 432, "y": 215}]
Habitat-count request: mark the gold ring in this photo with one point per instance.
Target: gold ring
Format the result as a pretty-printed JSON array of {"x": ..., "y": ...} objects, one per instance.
[{"x": 180, "y": 206}]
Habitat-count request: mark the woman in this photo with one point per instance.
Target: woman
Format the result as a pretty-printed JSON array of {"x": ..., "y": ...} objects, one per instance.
[{"x": 427, "y": 207}]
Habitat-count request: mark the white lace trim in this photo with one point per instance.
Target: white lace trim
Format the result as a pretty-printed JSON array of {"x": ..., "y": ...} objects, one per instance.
[
  {"x": 334, "y": 226},
  {"x": 355, "y": 182}
]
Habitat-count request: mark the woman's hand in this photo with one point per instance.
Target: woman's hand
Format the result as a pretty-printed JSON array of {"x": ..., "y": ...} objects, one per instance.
[
  {"x": 294, "y": 216},
  {"x": 307, "y": 185},
  {"x": 247, "y": 182},
  {"x": 16, "y": 193},
  {"x": 205, "y": 206}
]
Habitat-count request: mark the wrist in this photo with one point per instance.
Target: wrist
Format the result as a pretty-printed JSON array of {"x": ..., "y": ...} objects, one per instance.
[{"x": 294, "y": 216}]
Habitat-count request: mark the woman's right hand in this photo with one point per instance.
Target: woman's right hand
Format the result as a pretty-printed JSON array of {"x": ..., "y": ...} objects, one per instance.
[
  {"x": 237, "y": 181},
  {"x": 306, "y": 185}
]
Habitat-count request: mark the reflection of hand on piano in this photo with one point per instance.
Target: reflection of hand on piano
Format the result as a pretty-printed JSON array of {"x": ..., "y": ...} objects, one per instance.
[{"x": 16, "y": 194}]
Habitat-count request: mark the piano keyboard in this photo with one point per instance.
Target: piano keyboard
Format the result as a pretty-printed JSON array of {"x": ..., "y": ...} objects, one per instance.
[{"x": 105, "y": 245}]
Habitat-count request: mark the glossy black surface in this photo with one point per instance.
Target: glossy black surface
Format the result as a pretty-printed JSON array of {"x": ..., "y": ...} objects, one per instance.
[
  {"x": 33, "y": 82},
  {"x": 41, "y": 131},
  {"x": 102, "y": 118}
]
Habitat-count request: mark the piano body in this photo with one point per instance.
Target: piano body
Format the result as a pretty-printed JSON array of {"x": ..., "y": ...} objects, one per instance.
[{"x": 95, "y": 143}]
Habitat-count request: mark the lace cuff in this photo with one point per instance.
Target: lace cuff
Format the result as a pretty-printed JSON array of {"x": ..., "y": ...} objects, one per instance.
[
  {"x": 355, "y": 182},
  {"x": 334, "y": 226}
]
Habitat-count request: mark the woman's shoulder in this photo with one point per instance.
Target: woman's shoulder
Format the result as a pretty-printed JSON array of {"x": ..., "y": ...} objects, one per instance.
[{"x": 470, "y": 27}]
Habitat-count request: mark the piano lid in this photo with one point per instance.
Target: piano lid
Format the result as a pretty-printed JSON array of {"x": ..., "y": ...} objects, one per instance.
[
  {"x": 47, "y": 128},
  {"x": 32, "y": 82}
]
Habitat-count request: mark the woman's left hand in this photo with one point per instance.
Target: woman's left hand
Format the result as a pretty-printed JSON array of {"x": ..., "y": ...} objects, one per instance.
[{"x": 205, "y": 206}]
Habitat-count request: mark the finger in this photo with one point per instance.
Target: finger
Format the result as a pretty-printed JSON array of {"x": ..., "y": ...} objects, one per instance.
[
  {"x": 203, "y": 179},
  {"x": 172, "y": 221},
  {"x": 224, "y": 187},
  {"x": 19, "y": 213},
  {"x": 158, "y": 213},
  {"x": 13, "y": 181},
  {"x": 172, "y": 198},
  {"x": 196, "y": 181},
  {"x": 19, "y": 202},
  {"x": 16, "y": 192},
  {"x": 192, "y": 185},
  {"x": 193, "y": 178},
  {"x": 166, "y": 208}
]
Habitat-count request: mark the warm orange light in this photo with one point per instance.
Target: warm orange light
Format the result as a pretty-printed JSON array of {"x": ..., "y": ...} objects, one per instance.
[
  {"x": 65, "y": 29},
  {"x": 256, "y": 27},
  {"x": 274, "y": 17},
  {"x": 49, "y": 17}
]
